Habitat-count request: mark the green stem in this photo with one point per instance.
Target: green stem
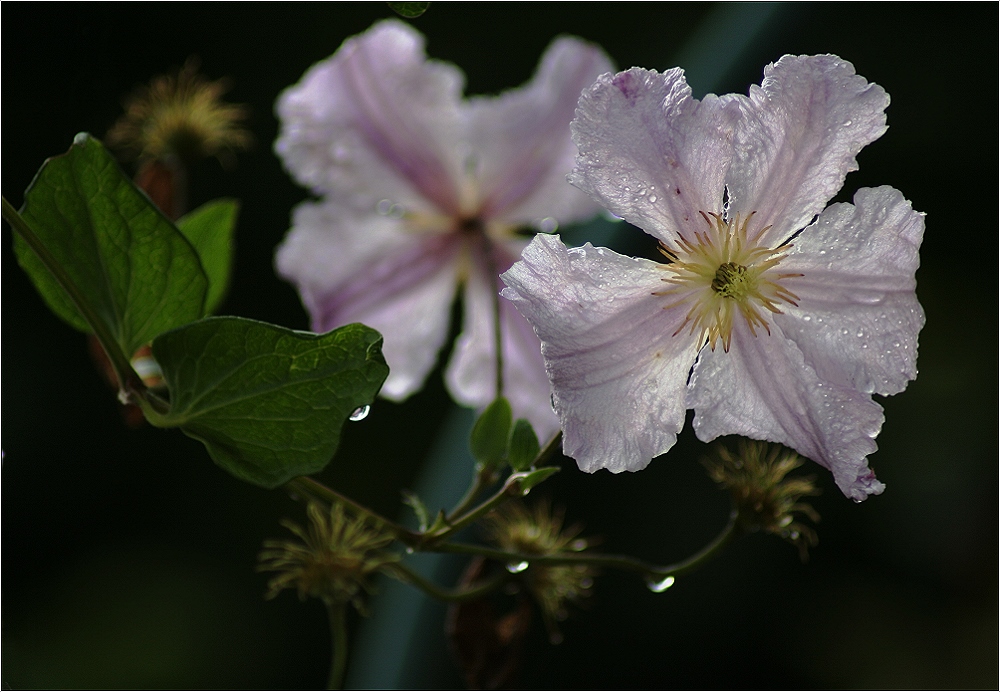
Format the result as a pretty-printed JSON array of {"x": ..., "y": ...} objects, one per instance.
[
  {"x": 549, "y": 450},
  {"x": 463, "y": 514},
  {"x": 484, "y": 478},
  {"x": 130, "y": 384},
  {"x": 338, "y": 644},
  {"x": 494, "y": 501},
  {"x": 407, "y": 574},
  {"x": 623, "y": 562},
  {"x": 304, "y": 485}
]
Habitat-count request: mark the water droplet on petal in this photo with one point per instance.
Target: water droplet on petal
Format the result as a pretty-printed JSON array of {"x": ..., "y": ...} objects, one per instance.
[
  {"x": 517, "y": 567},
  {"x": 409, "y": 550},
  {"x": 384, "y": 206},
  {"x": 652, "y": 199},
  {"x": 659, "y": 585},
  {"x": 548, "y": 225},
  {"x": 361, "y": 413}
]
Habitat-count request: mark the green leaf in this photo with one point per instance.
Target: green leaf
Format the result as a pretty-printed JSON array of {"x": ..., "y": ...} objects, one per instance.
[
  {"x": 139, "y": 275},
  {"x": 269, "y": 403},
  {"x": 209, "y": 228},
  {"x": 530, "y": 479},
  {"x": 523, "y": 446},
  {"x": 490, "y": 432},
  {"x": 410, "y": 10}
]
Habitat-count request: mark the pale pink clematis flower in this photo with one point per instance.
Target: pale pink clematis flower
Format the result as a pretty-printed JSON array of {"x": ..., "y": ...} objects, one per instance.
[
  {"x": 790, "y": 312},
  {"x": 424, "y": 191}
]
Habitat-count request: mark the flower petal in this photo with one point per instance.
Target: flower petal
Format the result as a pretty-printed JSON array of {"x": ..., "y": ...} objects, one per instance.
[
  {"x": 617, "y": 374},
  {"x": 763, "y": 389},
  {"x": 471, "y": 374},
  {"x": 365, "y": 268},
  {"x": 798, "y": 138},
  {"x": 858, "y": 317},
  {"x": 650, "y": 153},
  {"x": 375, "y": 121},
  {"x": 521, "y": 141}
]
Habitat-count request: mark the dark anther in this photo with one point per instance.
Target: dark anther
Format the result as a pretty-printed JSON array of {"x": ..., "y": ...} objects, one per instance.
[{"x": 725, "y": 275}]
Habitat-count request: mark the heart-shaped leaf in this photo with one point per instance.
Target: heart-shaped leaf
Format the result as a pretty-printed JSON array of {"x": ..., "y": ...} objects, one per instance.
[
  {"x": 269, "y": 403},
  {"x": 137, "y": 273}
]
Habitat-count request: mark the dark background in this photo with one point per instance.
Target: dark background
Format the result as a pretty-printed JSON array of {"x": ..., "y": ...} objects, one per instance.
[{"x": 128, "y": 557}]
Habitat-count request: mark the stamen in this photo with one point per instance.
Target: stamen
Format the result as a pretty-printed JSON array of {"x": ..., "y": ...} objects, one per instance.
[{"x": 721, "y": 271}]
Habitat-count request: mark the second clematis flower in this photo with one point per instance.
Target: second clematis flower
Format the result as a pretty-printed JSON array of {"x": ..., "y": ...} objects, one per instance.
[
  {"x": 424, "y": 191},
  {"x": 773, "y": 316}
]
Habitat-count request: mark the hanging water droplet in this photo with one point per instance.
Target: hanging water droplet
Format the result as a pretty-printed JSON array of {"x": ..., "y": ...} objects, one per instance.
[
  {"x": 555, "y": 638},
  {"x": 361, "y": 413},
  {"x": 548, "y": 225},
  {"x": 517, "y": 567},
  {"x": 409, "y": 550},
  {"x": 579, "y": 544},
  {"x": 659, "y": 585}
]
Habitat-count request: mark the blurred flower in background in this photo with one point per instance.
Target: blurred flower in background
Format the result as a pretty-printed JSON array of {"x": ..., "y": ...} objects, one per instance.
[{"x": 424, "y": 191}]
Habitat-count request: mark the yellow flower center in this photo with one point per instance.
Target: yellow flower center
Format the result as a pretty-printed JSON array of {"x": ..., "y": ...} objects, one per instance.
[{"x": 721, "y": 274}]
